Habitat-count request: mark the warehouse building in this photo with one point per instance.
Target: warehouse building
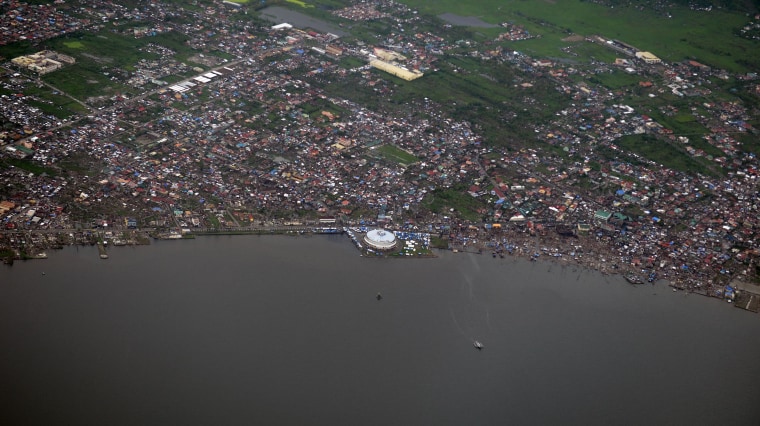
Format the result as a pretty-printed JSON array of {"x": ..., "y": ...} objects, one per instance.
[
  {"x": 648, "y": 57},
  {"x": 396, "y": 70}
]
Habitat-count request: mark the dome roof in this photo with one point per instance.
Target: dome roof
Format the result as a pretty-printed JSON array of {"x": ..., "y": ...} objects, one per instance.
[{"x": 380, "y": 239}]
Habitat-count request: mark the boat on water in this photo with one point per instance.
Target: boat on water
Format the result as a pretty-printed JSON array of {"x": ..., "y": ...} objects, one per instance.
[
  {"x": 477, "y": 345},
  {"x": 379, "y": 296},
  {"x": 634, "y": 279}
]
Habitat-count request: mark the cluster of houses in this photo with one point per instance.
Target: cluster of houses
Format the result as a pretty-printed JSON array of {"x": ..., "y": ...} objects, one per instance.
[
  {"x": 361, "y": 12},
  {"x": 222, "y": 156},
  {"x": 261, "y": 138},
  {"x": 21, "y": 21}
]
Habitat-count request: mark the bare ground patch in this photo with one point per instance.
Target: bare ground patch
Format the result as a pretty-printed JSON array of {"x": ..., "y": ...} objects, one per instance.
[
  {"x": 574, "y": 38},
  {"x": 98, "y": 59}
]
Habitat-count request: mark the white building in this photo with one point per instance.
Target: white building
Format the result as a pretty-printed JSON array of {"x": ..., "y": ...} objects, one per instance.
[{"x": 380, "y": 239}]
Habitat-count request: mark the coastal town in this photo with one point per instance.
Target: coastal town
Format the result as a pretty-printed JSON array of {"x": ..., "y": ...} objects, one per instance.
[{"x": 235, "y": 120}]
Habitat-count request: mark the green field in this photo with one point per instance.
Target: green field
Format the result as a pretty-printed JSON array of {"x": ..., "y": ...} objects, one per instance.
[
  {"x": 53, "y": 103},
  {"x": 396, "y": 154},
  {"x": 470, "y": 90},
  {"x": 617, "y": 79},
  {"x": 349, "y": 62},
  {"x": 300, "y": 3},
  {"x": 27, "y": 165},
  {"x": 666, "y": 153},
  {"x": 101, "y": 55},
  {"x": 457, "y": 198},
  {"x": 706, "y": 36},
  {"x": 485, "y": 94},
  {"x": 314, "y": 108},
  {"x": 74, "y": 44}
]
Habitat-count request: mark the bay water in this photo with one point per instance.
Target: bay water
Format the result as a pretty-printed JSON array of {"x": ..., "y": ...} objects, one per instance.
[{"x": 288, "y": 331}]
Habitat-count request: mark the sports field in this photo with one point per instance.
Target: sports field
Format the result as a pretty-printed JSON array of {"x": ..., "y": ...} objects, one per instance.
[{"x": 397, "y": 155}]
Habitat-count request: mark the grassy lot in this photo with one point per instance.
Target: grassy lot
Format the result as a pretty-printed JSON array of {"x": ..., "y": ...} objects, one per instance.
[
  {"x": 79, "y": 163},
  {"x": 457, "y": 198},
  {"x": 349, "y": 62},
  {"x": 112, "y": 49},
  {"x": 706, "y": 36},
  {"x": 300, "y": 3},
  {"x": 438, "y": 242},
  {"x": 352, "y": 87},
  {"x": 84, "y": 80},
  {"x": 99, "y": 56},
  {"x": 485, "y": 94},
  {"x": 367, "y": 31},
  {"x": 27, "y": 165},
  {"x": 553, "y": 44},
  {"x": 666, "y": 153},
  {"x": 396, "y": 154},
  {"x": 586, "y": 50},
  {"x": 74, "y": 44},
  {"x": 682, "y": 123},
  {"x": 469, "y": 90},
  {"x": 19, "y": 48},
  {"x": 58, "y": 110},
  {"x": 53, "y": 103},
  {"x": 617, "y": 79},
  {"x": 750, "y": 142},
  {"x": 315, "y": 107}
]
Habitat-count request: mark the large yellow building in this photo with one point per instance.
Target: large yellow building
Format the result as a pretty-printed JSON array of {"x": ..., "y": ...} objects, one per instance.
[
  {"x": 396, "y": 70},
  {"x": 43, "y": 62},
  {"x": 648, "y": 57}
]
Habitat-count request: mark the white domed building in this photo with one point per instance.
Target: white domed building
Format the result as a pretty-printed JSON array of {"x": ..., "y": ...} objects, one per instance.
[{"x": 380, "y": 239}]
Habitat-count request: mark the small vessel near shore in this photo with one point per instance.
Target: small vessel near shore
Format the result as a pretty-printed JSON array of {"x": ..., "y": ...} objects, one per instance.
[
  {"x": 634, "y": 279},
  {"x": 478, "y": 345}
]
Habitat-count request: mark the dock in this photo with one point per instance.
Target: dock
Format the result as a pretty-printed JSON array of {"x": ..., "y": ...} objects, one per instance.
[
  {"x": 748, "y": 295},
  {"x": 748, "y": 302},
  {"x": 102, "y": 251}
]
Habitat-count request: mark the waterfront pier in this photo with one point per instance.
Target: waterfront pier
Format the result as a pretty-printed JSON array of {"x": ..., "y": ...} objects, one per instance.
[{"x": 102, "y": 251}]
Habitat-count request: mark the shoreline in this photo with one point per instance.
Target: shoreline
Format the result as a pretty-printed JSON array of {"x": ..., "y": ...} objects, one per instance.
[{"x": 586, "y": 253}]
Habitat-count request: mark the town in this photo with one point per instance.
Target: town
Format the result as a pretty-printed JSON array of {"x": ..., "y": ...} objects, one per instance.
[{"x": 164, "y": 120}]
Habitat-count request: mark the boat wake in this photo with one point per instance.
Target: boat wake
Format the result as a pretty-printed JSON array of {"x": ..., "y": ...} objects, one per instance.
[{"x": 456, "y": 323}]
